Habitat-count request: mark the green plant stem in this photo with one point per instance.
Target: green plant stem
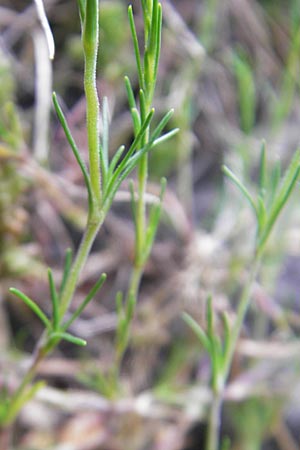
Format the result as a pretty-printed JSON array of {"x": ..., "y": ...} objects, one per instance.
[
  {"x": 45, "y": 346},
  {"x": 135, "y": 280},
  {"x": 141, "y": 210},
  {"x": 87, "y": 241},
  {"x": 241, "y": 313},
  {"x": 28, "y": 377},
  {"x": 132, "y": 293},
  {"x": 147, "y": 81},
  {"x": 213, "y": 435},
  {"x": 141, "y": 221},
  {"x": 214, "y": 421},
  {"x": 90, "y": 38},
  {"x": 90, "y": 44}
]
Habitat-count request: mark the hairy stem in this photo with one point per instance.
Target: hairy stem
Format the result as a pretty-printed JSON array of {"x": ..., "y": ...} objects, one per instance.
[
  {"x": 87, "y": 241},
  {"x": 90, "y": 45}
]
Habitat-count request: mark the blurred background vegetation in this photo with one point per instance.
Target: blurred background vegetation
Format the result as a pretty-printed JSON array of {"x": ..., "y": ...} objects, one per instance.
[{"x": 231, "y": 71}]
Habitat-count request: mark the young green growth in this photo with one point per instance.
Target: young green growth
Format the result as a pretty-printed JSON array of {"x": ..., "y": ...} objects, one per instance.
[
  {"x": 102, "y": 180},
  {"x": 273, "y": 194},
  {"x": 141, "y": 114}
]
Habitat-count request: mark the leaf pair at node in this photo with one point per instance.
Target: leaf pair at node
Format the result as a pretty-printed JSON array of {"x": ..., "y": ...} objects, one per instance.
[
  {"x": 217, "y": 350},
  {"x": 272, "y": 196},
  {"x": 57, "y": 326}
]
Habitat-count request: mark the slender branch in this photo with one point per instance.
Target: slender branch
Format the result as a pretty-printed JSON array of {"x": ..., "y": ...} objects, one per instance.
[
  {"x": 78, "y": 264},
  {"x": 90, "y": 44},
  {"x": 241, "y": 313},
  {"x": 214, "y": 422}
]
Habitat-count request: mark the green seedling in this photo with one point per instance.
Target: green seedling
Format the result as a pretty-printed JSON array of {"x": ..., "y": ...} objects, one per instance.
[{"x": 273, "y": 194}]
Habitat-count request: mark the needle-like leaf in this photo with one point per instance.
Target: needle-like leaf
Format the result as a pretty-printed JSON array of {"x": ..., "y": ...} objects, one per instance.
[
  {"x": 241, "y": 187},
  {"x": 32, "y": 305},
  {"x": 201, "y": 335},
  {"x": 73, "y": 145},
  {"x": 136, "y": 46},
  {"x": 67, "y": 267},
  {"x": 68, "y": 337},
  {"x": 54, "y": 300},
  {"x": 85, "y": 302}
]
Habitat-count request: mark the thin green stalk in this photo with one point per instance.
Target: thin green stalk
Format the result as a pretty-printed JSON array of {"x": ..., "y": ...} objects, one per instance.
[
  {"x": 213, "y": 435},
  {"x": 214, "y": 422},
  {"x": 79, "y": 262},
  {"x": 147, "y": 71},
  {"x": 141, "y": 210},
  {"x": 132, "y": 294},
  {"x": 241, "y": 313},
  {"x": 90, "y": 39},
  {"x": 135, "y": 280},
  {"x": 29, "y": 376}
]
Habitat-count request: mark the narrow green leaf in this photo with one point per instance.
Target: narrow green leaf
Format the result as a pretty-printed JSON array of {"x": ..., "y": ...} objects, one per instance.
[
  {"x": 130, "y": 307},
  {"x": 113, "y": 183},
  {"x": 158, "y": 40},
  {"x": 115, "y": 161},
  {"x": 81, "y": 7},
  {"x": 32, "y": 305},
  {"x": 91, "y": 27},
  {"x": 147, "y": 15},
  {"x": 210, "y": 318},
  {"x": 130, "y": 94},
  {"x": 133, "y": 108},
  {"x": 86, "y": 301},
  {"x": 136, "y": 47},
  {"x": 241, "y": 187},
  {"x": 165, "y": 137},
  {"x": 151, "y": 47},
  {"x": 138, "y": 138},
  {"x": 261, "y": 214},
  {"x": 136, "y": 120},
  {"x": 73, "y": 145},
  {"x": 54, "y": 300},
  {"x": 201, "y": 335},
  {"x": 125, "y": 168},
  {"x": 285, "y": 189},
  {"x": 161, "y": 125},
  {"x": 263, "y": 171},
  {"x": 67, "y": 267},
  {"x": 227, "y": 335},
  {"x": 152, "y": 52},
  {"x": 143, "y": 108},
  {"x": 275, "y": 180},
  {"x": 68, "y": 337},
  {"x": 246, "y": 91}
]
